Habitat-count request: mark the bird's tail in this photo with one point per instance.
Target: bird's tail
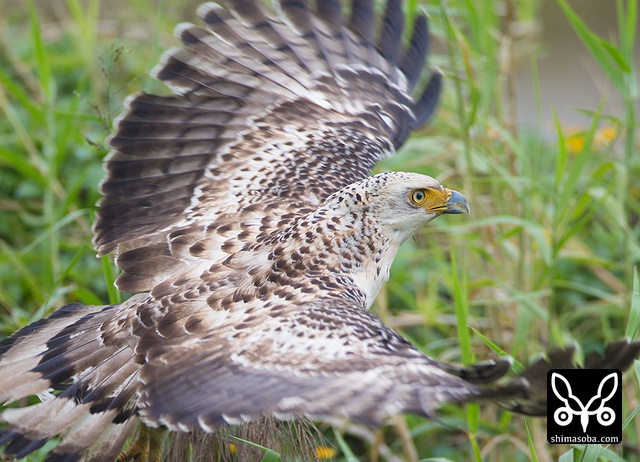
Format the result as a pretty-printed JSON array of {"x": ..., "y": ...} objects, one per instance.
[{"x": 84, "y": 377}]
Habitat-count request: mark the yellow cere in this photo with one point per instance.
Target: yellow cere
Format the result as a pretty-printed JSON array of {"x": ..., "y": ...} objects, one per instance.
[{"x": 432, "y": 200}]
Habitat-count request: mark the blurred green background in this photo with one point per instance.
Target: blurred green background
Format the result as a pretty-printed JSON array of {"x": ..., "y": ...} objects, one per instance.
[{"x": 537, "y": 128}]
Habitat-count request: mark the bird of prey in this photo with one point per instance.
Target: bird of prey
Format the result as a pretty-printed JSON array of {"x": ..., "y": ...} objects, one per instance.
[{"x": 242, "y": 216}]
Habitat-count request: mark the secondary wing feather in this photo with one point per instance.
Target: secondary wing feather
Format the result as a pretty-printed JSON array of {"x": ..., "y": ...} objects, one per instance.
[{"x": 307, "y": 360}]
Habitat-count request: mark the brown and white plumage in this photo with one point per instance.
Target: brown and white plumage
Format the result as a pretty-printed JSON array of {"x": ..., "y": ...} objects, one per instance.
[{"x": 241, "y": 212}]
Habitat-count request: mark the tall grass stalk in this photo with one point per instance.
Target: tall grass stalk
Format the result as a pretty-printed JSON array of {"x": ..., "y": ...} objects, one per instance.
[{"x": 617, "y": 62}]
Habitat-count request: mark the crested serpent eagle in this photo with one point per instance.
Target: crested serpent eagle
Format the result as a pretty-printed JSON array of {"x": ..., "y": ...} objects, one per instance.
[{"x": 242, "y": 215}]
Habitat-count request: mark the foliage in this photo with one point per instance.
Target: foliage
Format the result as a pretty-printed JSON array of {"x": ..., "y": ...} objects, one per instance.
[{"x": 546, "y": 258}]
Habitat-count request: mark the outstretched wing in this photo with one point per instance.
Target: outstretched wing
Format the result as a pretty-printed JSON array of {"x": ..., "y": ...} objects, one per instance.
[
  {"x": 268, "y": 109},
  {"x": 325, "y": 359},
  {"x": 331, "y": 359}
]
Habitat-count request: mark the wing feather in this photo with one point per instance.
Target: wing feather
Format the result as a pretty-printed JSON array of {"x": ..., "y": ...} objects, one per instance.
[
  {"x": 413, "y": 61},
  {"x": 390, "y": 38},
  {"x": 261, "y": 98},
  {"x": 426, "y": 106},
  {"x": 292, "y": 364},
  {"x": 83, "y": 370}
]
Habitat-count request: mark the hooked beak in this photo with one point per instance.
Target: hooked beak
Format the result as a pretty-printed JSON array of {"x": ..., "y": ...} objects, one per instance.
[{"x": 457, "y": 203}]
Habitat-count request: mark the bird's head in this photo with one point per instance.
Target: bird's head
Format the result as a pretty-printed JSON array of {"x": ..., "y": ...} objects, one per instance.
[{"x": 402, "y": 202}]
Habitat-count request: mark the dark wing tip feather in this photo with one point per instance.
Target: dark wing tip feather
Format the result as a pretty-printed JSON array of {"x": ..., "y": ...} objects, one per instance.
[
  {"x": 426, "y": 105},
  {"x": 484, "y": 372},
  {"x": 66, "y": 457},
  {"x": 212, "y": 14},
  {"x": 619, "y": 354},
  {"x": 390, "y": 39},
  {"x": 19, "y": 445},
  {"x": 414, "y": 59},
  {"x": 331, "y": 12},
  {"x": 363, "y": 19}
]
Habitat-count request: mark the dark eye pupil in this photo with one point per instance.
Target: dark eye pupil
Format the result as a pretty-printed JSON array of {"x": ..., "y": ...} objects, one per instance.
[{"x": 418, "y": 196}]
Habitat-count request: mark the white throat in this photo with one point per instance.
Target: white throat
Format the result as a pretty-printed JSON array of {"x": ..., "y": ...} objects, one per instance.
[{"x": 369, "y": 280}]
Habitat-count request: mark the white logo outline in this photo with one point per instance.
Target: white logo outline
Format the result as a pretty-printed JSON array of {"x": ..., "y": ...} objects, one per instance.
[{"x": 564, "y": 415}]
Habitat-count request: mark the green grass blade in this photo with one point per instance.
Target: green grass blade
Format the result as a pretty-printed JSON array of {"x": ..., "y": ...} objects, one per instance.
[
  {"x": 462, "y": 311},
  {"x": 627, "y": 21},
  {"x": 269, "y": 456},
  {"x": 590, "y": 453},
  {"x": 567, "y": 456},
  {"x": 610, "y": 456},
  {"x": 115, "y": 296},
  {"x": 477, "y": 455},
  {"x": 602, "y": 54},
  {"x": 532, "y": 447},
  {"x": 516, "y": 366},
  {"x": 45, "y": 76},
  {"x": 633, "y": 413},
  {"x": 462, "y": 315},
  {"x": 633, "y": 325},
  {"x": 28, "y": 278},
  {"x": 55, "y": 229},
  {"x": 344, "y": 447}
]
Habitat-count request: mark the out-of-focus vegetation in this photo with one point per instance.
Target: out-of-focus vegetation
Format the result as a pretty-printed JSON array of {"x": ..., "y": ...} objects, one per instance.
[{"x": 546, "y": 258}]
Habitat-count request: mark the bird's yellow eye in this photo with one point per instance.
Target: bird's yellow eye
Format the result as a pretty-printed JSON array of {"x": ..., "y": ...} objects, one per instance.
[{"x": 418, "y": 196}]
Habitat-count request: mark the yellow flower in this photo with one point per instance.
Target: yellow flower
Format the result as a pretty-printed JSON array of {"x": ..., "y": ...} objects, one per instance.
[
  {"x": 605, "y": 135},
  {"x": 232, "y": 448},
  {"x": 576, "y": 139},
  {"x": 325, "y": 452},
  {"x": 574, "y": 143}
]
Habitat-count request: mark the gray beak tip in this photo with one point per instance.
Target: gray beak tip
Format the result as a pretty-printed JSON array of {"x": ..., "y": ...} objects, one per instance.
[{"x": 457, "y": 204}]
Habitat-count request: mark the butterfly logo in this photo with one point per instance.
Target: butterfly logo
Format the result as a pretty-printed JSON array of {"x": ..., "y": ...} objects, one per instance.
[{"x": 572, "y": 406}]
